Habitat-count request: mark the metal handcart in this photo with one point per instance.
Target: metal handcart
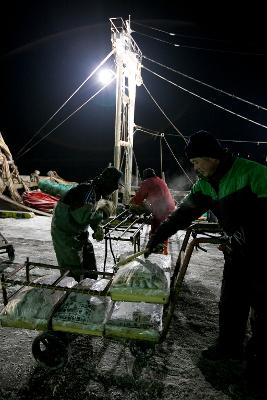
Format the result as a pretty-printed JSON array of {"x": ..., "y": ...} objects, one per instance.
[
  {"x": 51, "y": 348},
  {"x": 6, "y": 247}
]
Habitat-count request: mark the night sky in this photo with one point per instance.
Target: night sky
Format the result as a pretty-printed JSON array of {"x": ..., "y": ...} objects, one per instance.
[{"x": 49, "y": 48}]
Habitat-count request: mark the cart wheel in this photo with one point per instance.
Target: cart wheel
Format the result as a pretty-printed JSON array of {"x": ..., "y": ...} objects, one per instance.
[
  {"x": 11, "y": 252},
  {"x": 142, "y": 351},
  {"x": 50, "y": 351}
]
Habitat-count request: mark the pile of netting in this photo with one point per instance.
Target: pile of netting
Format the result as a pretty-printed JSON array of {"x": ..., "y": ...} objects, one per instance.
[{"x": 40, "y": 201}]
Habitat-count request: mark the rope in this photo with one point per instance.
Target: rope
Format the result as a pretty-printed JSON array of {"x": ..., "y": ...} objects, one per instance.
[
  {"x": 64, "y": 120},
  {"x": 244, "y": 141},
  {"x": 149, "y": 131},
  {"x": 207, "y": 85},
  {"x": 190, "y": 180},
  {"x": 258, "y": 142},
  {"x": 172, "y": 124},
  {"x": 122, "y": 159},
  {"x": 8, "y": 179},
  {"x": 206, "y": 100},
  {"x": 162, "y": 136},
  {"x": 179, "y": 34},
  {"x": 160, "y": 145},
  {"x": 136, "y": 167},
  {"x": 63, "y": 105},
  {"x": 245, "y": 53}
]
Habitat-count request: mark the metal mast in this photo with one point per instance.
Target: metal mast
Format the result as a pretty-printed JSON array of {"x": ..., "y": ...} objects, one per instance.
[{"x": 128, "y": 75}]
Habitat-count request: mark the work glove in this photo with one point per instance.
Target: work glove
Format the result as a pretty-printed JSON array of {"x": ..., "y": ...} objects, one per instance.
[
  {"x": 158, "y": 249},
  {"x": 234, "y": 243},
  {"x": 138, "y": 209},
  {"x": 107, "y": 207},
  {"x": 121, "y": 208},
  {"x": 225, "y": 245},
  {"x": 149, "y": 247},
  {"x": 98, "y": 234},
  {"x": 147, "y": 252}
]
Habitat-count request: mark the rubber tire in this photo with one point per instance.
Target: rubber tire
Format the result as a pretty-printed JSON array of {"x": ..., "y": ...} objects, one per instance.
[
  {"x": 10, "y": 252},
  {"x": 142, "y": 350},
  {"x": 50, "y": 351}
]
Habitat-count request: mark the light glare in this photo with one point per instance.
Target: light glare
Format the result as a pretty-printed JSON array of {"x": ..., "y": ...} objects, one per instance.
[{"x": 106, "y": 75}]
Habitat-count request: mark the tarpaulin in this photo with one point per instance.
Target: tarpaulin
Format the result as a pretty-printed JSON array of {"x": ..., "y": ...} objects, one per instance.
[{"x": 39, "y": 200}]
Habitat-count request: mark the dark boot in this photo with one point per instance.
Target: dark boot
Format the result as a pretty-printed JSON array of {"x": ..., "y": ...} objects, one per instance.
[
  {"x": 253, "y": 384},
  {"x": 219, "y": 352},
  {"x": 89, "y": 261}
]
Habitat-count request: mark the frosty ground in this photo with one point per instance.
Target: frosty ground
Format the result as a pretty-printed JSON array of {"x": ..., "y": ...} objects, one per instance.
[{"x": 101, "y": 368}]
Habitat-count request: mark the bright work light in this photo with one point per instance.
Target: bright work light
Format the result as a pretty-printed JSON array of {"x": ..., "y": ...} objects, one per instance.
[{"x": 106, "y": 75}]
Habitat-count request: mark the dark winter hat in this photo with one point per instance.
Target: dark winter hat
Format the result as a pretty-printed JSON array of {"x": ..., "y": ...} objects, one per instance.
[
  {"x": 113, "y": 174},
  {"x": 109, "y": 180},
  {"x": 79, "y": 195},
  {"x": 203, "y": 144},
  {"x": 148, "y": 173}
]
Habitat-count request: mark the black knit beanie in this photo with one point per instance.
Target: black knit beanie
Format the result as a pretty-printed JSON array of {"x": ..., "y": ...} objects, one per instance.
[
  {"x": 108, "y": 181},
  {"x": 148, "y": 173},
  {"x": 204, "y": 144},
  {"x": 111, "y": 174}
]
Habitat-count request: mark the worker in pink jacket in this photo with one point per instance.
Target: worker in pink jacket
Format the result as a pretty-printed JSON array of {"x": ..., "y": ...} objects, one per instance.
[{"x": 154, "y": 195}]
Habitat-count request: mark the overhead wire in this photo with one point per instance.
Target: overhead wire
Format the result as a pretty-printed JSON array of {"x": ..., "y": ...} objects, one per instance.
[
  {"x": 259, "y": 107},
  {"x": 204, "y": 99},
  {"x": 161, "y": 135},
  {"x": 153, "y": 28},
  {"x": 258, "y": 142},
  {"x": 63, "y": 105},
  {"x": 122, "y": 160},
  {"x": 21, "y": 153},
  {"x": 179, "y": 34},
  {"x": 149, "y": 131},
  {"x": 160, "y": 150},
  {"x": 165, "y": 115},
  {"x": 244, "y": 141},
  {"x": 152, "y": 133},
  {"x": 245, "y": 53},
  {"x": 136, "y": 166},
  {"x": 158, "y": 133},
  {"x": 74, "y": 112},
  {"x": 176, "y": 159}
]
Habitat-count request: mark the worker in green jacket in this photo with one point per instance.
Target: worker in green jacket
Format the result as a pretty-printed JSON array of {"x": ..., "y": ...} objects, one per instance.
[
  {"x": 83, "y": 206},
  {"x": 235, "y": 190}
]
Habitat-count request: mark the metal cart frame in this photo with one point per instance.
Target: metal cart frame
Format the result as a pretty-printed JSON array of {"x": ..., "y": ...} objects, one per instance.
[
  {"x": 56, "y": 343},
  {"x": 124, "y": 227},
  {"x": 6, "y": 247}
]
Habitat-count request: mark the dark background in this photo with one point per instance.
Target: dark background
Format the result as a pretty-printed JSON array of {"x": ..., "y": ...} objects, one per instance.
[{"x": 49, "y": 48}]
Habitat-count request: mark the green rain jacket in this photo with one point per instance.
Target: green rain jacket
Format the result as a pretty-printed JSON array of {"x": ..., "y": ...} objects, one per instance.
[
  {"x": 237, "y": 195},
  {"x": 67, "y": 229}
]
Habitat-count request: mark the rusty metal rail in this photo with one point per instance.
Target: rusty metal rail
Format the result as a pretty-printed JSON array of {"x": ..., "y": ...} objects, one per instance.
[
  {"x": 11, "y": 279},
  {"x": 211, "y": 233}
]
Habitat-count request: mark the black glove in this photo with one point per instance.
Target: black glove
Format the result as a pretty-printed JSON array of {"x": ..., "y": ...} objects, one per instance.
[
  {"x": 107, "y": 207},
  {"x": 147, "y": 252},
  {"x": 225, "y": 245},
  {"x": 150, "y": 246},
  {"x": 98, "y": 234},
  {"x": 235, "y": 243},
  {"x": 137, "y": 209}
]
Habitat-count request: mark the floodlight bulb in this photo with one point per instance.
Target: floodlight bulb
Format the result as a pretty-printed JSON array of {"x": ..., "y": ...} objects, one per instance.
[{"x": 106, "y": 75}]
